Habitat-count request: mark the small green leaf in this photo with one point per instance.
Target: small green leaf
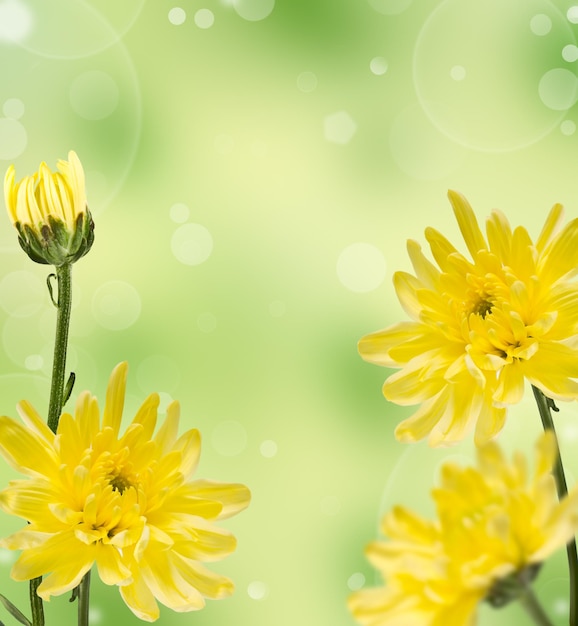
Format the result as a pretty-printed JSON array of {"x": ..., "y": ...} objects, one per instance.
[{"x": 18, "y": 615}]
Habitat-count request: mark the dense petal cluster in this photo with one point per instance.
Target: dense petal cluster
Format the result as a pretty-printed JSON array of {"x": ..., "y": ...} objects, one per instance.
[
  {"x": 50, "y": 213},
  {"x": 124, "y": 502},
  {"x": 495, "y": 524},
  {"x": 481, "y": 327}
]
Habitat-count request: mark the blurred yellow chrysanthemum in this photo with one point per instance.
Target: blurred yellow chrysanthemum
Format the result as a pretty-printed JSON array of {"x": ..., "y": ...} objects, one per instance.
[
  {"x": 495, "y": 526},
  {"x": 50, "y": 213},
  {"x": 124, "y": 502},
  {"x": 482, "y": 327}
]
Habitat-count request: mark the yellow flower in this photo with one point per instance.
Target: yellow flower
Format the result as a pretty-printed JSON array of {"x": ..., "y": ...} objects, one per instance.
[
  {"x": 494, "y": 527},
  {"x": 482, "y": 327},
  {"x": 50, "y": 213},
  {"x": 124, "y": 502}
]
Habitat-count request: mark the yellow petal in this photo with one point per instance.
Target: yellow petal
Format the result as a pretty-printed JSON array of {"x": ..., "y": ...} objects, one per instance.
[
  {"x": 10, "y": 193},
  {"x": 499, "y": 235},
  {"x": 551, "y": 226},
  {"x": 561, "y": 255},
  {"x": 189, "y": 445},
  {"x": 160, "y": 573},
  {"x": 139, "y": 598},
  {"x": 25, "y": 451},
  {"x": 31, "y": 418},
  {"x": 167, "y": 433},
  {"x": 426, "y": 272},
  {"x": 111, "y": 569},
  {"x": 510, "y": 389},
  {"x": 406, "y": 287},
  {"x": 422, "y": 422},
  {"x": 66, "y": 573},
  {"x": 147, "y": 415},
  {"x": 234, "y": 498},
  {"x": 112, "y": 414},
  {"x": 468, "y": 223},
  {"x": 375, "y": 347}
]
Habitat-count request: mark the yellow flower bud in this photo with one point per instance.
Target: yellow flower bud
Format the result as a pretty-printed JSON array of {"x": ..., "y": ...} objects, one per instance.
[{"x": 50, "y": 213}]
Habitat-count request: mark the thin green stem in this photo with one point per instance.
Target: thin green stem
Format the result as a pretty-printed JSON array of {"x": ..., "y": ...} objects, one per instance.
[
  {"x": 533, "y": 607},
  {"x": 64, "y": 300},
  {"x": 84, "y": 600},
  {"x": 36, "y": 603},
  {"x": 562, "y": 488},
  {"x": 63, "y": 303}
]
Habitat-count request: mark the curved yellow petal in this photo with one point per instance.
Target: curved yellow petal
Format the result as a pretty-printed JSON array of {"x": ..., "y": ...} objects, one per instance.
[
  {"x": 113, "y": 407},
  {"x": 468, "y": 223}
]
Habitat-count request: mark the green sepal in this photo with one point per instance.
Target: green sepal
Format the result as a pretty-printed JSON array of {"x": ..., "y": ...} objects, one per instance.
[
  {"x": 16, "y": 613},
  {"x": 30, "y": 243},
  {"x": 53, "y": 243},
  {"x": 60, "y": 234},
  {"x": 510, "y": 588}
]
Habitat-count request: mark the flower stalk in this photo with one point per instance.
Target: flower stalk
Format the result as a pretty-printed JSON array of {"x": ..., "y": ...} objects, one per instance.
[
  {"x": 544, "y": 407},
  {"x": 36, "y": 603},
  {"x": 84, "y": 600},
  {"x": 63, "y": 304}
]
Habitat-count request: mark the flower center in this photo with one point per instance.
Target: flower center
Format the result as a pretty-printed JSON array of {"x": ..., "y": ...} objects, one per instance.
[
  {"x": 483, "y": 306},
  {"x": 119, "y": 482}
]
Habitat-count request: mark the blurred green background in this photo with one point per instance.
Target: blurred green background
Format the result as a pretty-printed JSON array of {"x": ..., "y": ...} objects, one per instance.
[{"x": 254, "y": 168}]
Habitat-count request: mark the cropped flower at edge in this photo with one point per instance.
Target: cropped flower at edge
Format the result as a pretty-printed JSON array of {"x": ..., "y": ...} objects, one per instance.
[
  {"x": 50, "y": 213},
  {"x": 482, "y": 327},
  {"x": 494, "y": 527},
  {"x": 123, "y": 502}
]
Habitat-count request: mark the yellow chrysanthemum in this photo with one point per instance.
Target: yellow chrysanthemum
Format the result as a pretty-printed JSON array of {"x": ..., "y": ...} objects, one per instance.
[
  {"x": 50, "y": 213},
  {"x": 495, "y": 526},
  {"x": 482, "y": 327},
  {"x": 123, "y": 502}
]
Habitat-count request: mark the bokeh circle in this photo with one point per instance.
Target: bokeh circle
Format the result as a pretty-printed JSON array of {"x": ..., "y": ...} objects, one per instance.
[{"x": 509, "y": 96}]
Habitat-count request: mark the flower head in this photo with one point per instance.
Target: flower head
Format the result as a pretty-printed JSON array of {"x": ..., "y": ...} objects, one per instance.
[
  {"x": 495, "y": 525},
  {"x": 481, "y": 327},
  {"x": 50, "y": 213},
  {"x": 125, "y": 502}
]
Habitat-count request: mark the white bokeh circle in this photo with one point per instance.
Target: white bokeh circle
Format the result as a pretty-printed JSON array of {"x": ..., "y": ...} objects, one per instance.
[
  {"x": 502, "y": 103},
  {"x": 191, "y": 244},
  {"x": 558, "y": 89},
  {"x": 179, "y": 213},
  {"x": 378, "y": 66},
  {"x": 204, "y": 18},
  {"x": 253, "y": 10},
  {"x": 257, "y": 590},
  {"x": 177, "y": 16},
  {"x": 307, "y": 82},
  {"x": 268, "y": 448},
  {"x": 97, "y": 26},
  {"x": 13, "y": 108},
  {"x": 13, "y": 138},
  {"x": 361, "y": 267},
  {"x": 16, "y": 21}
]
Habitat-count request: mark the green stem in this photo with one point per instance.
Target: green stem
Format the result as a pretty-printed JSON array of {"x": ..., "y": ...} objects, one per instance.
[
  {"x": 36, "y": 603},
  {"x": 561, "y": 486},
  {"x": 63, "y": 274},
  {"x": 84, "y": 600},
  {"x": 63, "y": 303},
  {"x": 530, "y": 602}
]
